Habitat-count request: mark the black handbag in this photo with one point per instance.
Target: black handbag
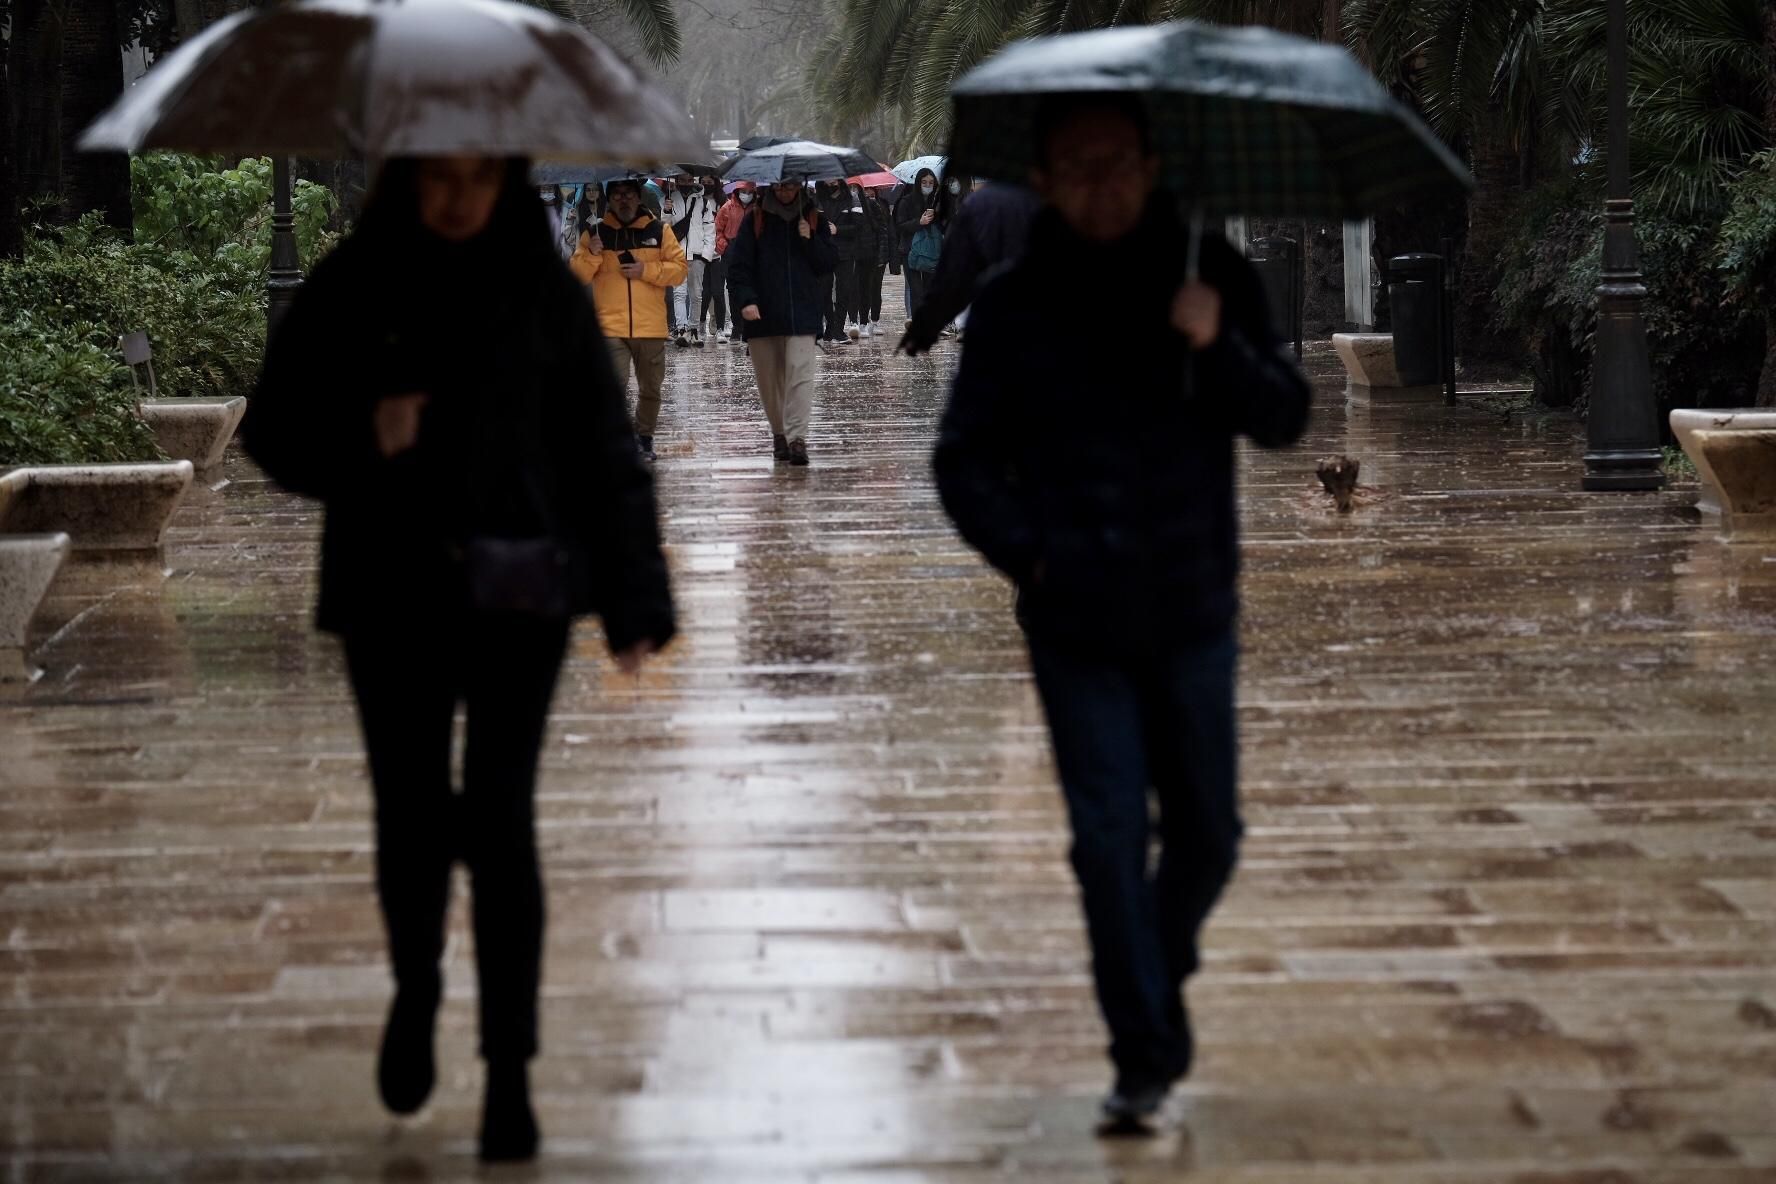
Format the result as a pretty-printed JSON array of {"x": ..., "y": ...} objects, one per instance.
[{"x": 518, "y": 577}]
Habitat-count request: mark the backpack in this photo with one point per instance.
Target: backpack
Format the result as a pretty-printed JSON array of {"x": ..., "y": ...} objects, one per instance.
[{"x": 927, "y": 244}]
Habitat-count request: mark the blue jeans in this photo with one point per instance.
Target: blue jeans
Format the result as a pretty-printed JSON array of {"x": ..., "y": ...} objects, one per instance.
[{"x": 1124, "y": 728}]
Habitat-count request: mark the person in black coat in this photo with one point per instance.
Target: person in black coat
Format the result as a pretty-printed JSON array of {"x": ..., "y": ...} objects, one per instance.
[
  {"x": 884, "y": 257},
  {"x": 1100, "y": 478},
  {"x": 779, "y": 264},
  {"x": 483, "y": 419},
  {"x": 918, "y": 207},
  {"x": 987, "y": 232}
]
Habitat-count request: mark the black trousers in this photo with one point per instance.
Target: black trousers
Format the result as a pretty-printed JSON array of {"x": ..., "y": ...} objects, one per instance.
[
  {"x": 715, "y": 295},
  {"x": 916, "y": 283},
  {"x": 830, "y": 329},
  {"x": 408, "y": 684},
  {"x": 869, "y": 299}
]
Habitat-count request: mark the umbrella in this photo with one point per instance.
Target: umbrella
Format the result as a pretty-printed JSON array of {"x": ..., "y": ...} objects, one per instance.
[
  {"x": 332, "y": 78},
  {"x": 907, "y": 171},
  {"x": 1245, "y": 120},
  {"x": 797, "y": 160},
  {"x": 734, "y": 186},
  {"x": 560, "y": 172},
  {"x": 876, "y": 180}
]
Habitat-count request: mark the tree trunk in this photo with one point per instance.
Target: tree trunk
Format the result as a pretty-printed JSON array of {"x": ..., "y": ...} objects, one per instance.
[
  {"x": 92, "y": 79},
  {"x": 1766, "y": 390},
  {"x": 34, "y": 78},
  {"x": 1498, "y": 178},
  {"x": 12, "y": 240}
]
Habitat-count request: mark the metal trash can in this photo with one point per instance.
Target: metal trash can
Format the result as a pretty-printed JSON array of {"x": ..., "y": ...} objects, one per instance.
[
  {"x": 1278, "y": 262},
  {"x": 1416, "y": 299}
]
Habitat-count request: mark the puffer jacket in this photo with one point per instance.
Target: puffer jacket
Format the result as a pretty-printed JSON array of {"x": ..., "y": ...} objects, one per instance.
[
  {"x": 727, "y": 222},
  {"x": 699, "y": 224},
  {"x": 631, "y": 308}
]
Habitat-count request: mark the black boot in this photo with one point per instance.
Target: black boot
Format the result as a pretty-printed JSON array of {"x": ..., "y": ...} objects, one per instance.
[
  {"x": 508, "y": 1125},
  {"x": 406, "y": 1069}
]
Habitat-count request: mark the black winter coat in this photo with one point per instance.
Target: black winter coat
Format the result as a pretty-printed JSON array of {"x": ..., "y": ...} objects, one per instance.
[
  {"x": 1096, "y": 469},
  {"x": 526, "y": 433},
  {"x": 780, "y": 273},
  {"x": 851, "y": 243},
  {"x": 908, "y": 209}
]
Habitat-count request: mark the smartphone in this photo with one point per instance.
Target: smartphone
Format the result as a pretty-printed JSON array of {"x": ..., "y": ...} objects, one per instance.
[{"x": 626, "y": 258}]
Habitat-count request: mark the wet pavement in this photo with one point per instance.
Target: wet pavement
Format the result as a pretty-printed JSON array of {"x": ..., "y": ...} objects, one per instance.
[{"x": 1506, "y": 911}]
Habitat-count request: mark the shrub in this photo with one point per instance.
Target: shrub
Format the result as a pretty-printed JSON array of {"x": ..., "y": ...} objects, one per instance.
[
  {"x": 64, "y": 400},
  {"x": 1703, "y": 346}
]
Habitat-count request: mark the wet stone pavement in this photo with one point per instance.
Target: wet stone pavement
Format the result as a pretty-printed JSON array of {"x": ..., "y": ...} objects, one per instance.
[{"x": 1507, "y": 910}]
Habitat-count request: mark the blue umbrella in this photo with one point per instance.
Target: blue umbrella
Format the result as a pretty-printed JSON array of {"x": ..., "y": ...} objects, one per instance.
[{"x": 908, "y": 170}]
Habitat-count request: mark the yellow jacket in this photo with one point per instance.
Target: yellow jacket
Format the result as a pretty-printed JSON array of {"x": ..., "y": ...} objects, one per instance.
[{"x": 626, "y": 307}]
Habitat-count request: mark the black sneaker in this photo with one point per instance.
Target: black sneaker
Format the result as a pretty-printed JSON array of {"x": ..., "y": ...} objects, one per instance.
[
  {"x": 779, "y": 448},
  {"x": 798, "y": 452},
  {"x": 646, "y": 445},
  {"x": 681, "y": 339},
  {"x": 508, "y": 1124},
  {"x": 405, "y": 1067}
]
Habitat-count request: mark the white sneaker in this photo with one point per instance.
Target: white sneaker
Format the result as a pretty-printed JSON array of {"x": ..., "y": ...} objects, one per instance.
[
  {"x": 722, "y": 337},
  {"x": 875, "y": 328},
  {"x": 852, "y": 331}
]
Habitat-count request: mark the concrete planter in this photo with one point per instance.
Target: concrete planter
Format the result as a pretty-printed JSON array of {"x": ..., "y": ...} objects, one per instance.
[
  {"x": 197, "y": 430},
  {"x": 1687, "y": 421},
  {"x": 115, "y": 509},
  {"x": 1744, "y": 463},
  {"x": 1374, "y": 377},
  {"x": 28, "y": 564}
]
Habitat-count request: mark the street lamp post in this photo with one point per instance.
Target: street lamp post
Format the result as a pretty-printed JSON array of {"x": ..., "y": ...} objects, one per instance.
[
  {"x": 286, "y": 263},
  {"x": 1623, "y": 425}
]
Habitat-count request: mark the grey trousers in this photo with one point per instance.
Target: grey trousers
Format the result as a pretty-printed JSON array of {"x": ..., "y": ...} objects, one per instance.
[{"x": 785, "y": 370}]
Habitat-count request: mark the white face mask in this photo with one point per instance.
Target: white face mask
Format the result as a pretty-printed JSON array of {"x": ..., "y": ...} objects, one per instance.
[
  {"x": 927, "y": 188},
  {"x": 745, "y": 198}
]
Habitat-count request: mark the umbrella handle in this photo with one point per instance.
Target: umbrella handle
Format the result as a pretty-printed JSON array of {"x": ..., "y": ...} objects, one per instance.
[{"x": 1193, "y": 252}]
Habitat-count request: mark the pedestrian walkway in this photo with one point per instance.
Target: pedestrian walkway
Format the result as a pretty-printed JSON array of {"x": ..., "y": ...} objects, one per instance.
[{"x": 1507, "y": 910}]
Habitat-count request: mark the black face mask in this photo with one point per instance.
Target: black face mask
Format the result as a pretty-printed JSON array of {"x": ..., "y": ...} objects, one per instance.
[{"x": 687, "y": 190}]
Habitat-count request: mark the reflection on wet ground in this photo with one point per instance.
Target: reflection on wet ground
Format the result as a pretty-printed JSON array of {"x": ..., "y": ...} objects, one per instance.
[{"x": 1507, "y": 910}]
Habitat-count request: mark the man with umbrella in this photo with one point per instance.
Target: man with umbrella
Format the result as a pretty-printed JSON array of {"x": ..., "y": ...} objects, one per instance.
[
  {"x": 1116, "y": 520},
  {"x": 779, "y": 262},
  {"x": 631, "y": 260}
]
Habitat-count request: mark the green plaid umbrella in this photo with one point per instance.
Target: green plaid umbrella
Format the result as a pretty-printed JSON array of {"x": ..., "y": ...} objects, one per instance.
[{"x": 1245, "y": 120}]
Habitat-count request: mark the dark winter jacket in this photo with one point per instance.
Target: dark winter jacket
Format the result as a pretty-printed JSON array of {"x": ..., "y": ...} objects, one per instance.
[
  {"x": 881, "y": 221},
  {"x": 852, "y": 240},
  {"x": 988, "y": 231},
  {"x": 525, "y": 433},
  {"x": 910, "y": 206},
  {"x": 769, "y": 264},
  {"x": 1096, "y": 470}
]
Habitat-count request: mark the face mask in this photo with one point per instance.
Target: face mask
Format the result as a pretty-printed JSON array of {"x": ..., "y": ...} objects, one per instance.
[
  {"x": 927, "y": 188},
  {"x": 745, "y": 199},
  {"x": 955, "y": 187},
  {"x": 856, "y": 193}
]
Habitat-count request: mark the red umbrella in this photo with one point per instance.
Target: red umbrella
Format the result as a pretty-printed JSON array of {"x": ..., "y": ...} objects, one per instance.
[{"x": 882, "y": 180}]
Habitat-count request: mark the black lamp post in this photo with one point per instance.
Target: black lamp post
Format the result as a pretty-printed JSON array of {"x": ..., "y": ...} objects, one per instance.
[
  {"x": 1623, "y": 426},
  {"x": 286, "y": 263}
]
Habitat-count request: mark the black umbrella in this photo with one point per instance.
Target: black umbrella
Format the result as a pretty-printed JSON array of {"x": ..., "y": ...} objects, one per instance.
[
  {"x": 1245, "y": 120},
  {"x": 797, "y": 160},
  {"x": 560, "y": 172}
]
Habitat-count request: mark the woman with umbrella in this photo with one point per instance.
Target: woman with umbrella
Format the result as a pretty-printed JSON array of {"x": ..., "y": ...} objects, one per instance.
[
  {"x": 916, "y": 217},
  {"x": 473, "y": 486}
]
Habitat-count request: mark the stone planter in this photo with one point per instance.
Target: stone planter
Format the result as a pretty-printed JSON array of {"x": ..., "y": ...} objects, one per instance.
[
  {"x": 28, "y": 564},
  {"x": 1687, "y": 421},
  {"x": 113, "y": 509},
  {"x": 1744, "y": 464},
  {"x": 1369, "y": 364},
  {"x": 197, "y": 430}
]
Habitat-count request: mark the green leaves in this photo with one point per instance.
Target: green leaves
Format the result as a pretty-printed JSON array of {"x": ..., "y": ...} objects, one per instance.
[{"x": 201, "y": 205}]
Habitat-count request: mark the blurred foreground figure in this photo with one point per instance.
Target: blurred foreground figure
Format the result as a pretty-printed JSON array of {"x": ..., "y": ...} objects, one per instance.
[
  {"x": 1099, "y": 477},
  {"x": 988, "y": 232},
  {"x": 482, "y": 488}
]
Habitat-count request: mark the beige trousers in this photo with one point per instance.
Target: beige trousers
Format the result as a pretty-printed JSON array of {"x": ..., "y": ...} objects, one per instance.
[
  {"x": 785, "y": 370},
  {"x": 647, "y": 357}
]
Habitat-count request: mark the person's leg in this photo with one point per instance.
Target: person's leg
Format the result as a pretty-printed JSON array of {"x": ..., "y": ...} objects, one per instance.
[
  {"x": 691, "y": 313},
  {"x": 672, "y": 306},
  {"x": 1192, "y": 743},
  {"x": 875, "y": 293},
  {"x": 513, "y": 664},
  {"x": 1094, "y": 716},
  {"x": 798, "y": 388},
  {"x": 915, "y": 290},
  {"x": 828, "y": 330},
  {"x": 715, "y": 302},
  {"x": 622, "y": 360},
  {"x": 842, "y": 298},
  {"x": 768, "y": 366},
  {"x": 650, "y": 382},
  {"x": 406, "y": 699},
  {"x": 860, "y": 279}
]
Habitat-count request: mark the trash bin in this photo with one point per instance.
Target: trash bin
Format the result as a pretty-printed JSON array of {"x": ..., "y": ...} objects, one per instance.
[
  {"x": 1415, "y": 297},
  {"x": 1278, "y": 262}
]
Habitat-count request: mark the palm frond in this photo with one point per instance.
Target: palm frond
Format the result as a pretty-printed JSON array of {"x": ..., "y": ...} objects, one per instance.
[{"x": 656, "y": 26}]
